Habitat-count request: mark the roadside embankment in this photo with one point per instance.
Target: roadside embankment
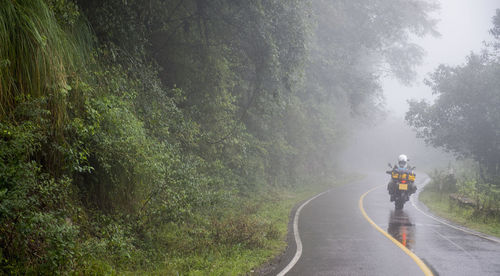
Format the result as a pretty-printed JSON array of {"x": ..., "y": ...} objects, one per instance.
[{"x": 449, "y": 198}]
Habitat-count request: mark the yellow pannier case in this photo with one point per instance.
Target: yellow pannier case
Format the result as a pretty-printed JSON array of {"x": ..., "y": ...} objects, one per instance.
[
  {"x": 403, "y": 175},
  {"x": 395, "y": 175}
]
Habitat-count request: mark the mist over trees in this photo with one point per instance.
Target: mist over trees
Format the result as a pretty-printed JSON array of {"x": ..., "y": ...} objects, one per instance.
[
  {"x": 125, "y": 123},
  {"x": 465, "y": 118}
]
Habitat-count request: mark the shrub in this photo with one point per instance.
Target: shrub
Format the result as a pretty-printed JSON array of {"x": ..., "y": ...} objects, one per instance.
[{"x": 36, "y": 230}]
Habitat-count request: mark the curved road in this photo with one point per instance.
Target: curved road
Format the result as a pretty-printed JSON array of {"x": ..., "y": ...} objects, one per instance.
[{"x": 338, "y": 240}]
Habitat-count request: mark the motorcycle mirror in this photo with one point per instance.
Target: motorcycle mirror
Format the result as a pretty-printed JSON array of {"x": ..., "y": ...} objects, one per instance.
[
  {"x": 389, "y": 165},
  {"x": 413, "y": 168}
]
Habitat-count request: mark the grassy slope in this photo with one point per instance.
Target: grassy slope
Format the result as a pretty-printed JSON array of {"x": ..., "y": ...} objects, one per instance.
[
  {"x": 219, "y": 259},
  {"x": 443, "y": 206}
]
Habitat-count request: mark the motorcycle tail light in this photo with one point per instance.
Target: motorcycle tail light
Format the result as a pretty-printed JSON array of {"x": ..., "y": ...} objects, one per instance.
[{"x": 403, "y": 181}]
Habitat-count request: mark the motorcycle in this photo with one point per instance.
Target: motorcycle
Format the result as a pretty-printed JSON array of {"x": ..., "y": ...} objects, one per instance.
[{"x": 401, "y": 185}]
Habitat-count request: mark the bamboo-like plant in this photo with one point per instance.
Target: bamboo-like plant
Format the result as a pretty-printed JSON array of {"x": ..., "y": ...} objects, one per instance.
[{"x": 36, "y": 58}]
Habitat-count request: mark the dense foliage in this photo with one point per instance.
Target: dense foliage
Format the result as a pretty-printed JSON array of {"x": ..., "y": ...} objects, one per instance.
[{"x": 134, "y": 133}]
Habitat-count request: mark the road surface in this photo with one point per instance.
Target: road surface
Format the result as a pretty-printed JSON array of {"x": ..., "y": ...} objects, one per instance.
[{"x": 337, "y": 239}]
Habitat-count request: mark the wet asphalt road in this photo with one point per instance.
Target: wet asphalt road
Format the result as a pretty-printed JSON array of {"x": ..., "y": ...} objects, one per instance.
[{"x": 338, "y": 240}]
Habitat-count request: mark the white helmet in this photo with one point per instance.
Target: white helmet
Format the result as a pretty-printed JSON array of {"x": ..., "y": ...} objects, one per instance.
[{"x": 402, "y": 161}]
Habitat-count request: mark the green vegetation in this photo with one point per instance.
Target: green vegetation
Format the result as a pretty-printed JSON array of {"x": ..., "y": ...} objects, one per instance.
[
  {"x": 244, "y": 237},
  {"x": 465, "y": 120},
  {"x": 174, "y": 136},
  {"x": 465, "y": 117},
  {"x": 457, "y": 200}
]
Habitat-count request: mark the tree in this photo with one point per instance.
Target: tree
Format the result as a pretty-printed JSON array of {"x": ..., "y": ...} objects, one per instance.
[{"x": 465, "y": 118}]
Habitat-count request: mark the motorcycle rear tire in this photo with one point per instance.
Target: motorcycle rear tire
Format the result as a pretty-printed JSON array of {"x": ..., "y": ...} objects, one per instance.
[{"x": 399, "y": 204}]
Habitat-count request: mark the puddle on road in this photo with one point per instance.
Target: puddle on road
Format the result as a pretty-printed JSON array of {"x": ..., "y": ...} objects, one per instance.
[{"x": 401, "y": 228}]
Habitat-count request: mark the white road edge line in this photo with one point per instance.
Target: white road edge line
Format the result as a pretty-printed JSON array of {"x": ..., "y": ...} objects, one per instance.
[
  {"x": 450, "y": 225},
  {"x": 455, "y": 244},
  {"x": 298, "y": 253}
]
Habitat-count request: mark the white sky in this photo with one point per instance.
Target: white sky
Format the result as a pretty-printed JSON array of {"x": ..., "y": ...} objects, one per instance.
[{"x": 464, "y": 25}]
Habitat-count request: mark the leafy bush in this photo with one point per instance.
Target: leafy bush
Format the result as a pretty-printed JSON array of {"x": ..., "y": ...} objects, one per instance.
[
  {"x": 443, "y": 181},
  {"x": 468, "y": 187},
  {"x": 242, "y": 230},
  {"x": 36, "y": 229}
]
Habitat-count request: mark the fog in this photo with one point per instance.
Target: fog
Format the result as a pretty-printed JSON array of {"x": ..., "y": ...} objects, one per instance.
[
  {"x": 464, "y": 28},
  {"x": 373, "y": 147}
]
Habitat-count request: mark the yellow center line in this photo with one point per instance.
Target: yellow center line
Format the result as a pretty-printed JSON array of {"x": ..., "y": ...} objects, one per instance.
[{"x": 417, "y": 260}]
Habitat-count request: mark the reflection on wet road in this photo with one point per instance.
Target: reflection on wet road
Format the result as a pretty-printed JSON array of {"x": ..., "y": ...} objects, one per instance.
[
  {"x": 401, "y": 228},
  {"x": 338, "y": 240}
]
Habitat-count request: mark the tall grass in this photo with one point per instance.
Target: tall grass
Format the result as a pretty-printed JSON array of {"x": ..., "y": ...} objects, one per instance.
[{"x": 37, "y": 58}]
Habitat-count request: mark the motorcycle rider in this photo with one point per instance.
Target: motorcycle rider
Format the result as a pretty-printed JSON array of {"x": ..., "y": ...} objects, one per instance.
[{"x": 401, "y": 165}]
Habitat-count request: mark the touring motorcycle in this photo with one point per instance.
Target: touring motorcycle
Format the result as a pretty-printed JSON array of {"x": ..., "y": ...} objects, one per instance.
[{"x": 401, "y": 185}]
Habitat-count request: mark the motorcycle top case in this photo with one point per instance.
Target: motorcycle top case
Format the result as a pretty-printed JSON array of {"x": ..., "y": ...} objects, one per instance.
[{"x": 403, "y": 174}]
